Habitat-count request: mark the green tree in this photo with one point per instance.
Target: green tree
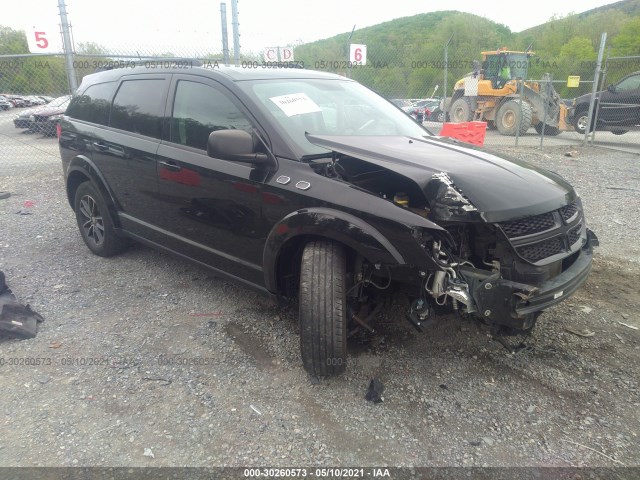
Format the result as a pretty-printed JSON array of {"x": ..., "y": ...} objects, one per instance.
[
  {"x": 578, "y": 48},
  {"x": 12, "y": 41},
  {"x": 91, "y": 48},
  {"x": 627, "y": 42}
]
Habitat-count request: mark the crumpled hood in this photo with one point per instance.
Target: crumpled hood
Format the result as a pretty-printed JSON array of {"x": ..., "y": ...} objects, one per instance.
[{"x": 499, "y": 188}]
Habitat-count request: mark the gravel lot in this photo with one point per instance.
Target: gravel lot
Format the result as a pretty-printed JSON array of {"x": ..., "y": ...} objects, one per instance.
[{"x": 144, "y": 353}]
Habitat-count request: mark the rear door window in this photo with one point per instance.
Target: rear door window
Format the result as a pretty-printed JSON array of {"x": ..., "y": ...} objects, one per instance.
[{"x": 138, "y": 107}]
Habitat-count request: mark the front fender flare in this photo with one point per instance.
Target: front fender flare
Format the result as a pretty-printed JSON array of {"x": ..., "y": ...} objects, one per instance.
[{"x": 337, "y": 225}]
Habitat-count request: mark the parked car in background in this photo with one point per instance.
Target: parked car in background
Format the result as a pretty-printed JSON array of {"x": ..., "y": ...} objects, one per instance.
[
  {"x": 438, "y": 113},
  {"x": 46, "y": 119},
  {"x": 310, "y": 187},
  {"x": 16, "y": 100},
  {"x": 424, "y": 108},
  {"x": 34, "y": 101},
  {"x": 618, "y": 107},
  {"x": 5, "y": 104},
  {"x": 401, "y": 102},
  {"x": 43, "y": 119}
]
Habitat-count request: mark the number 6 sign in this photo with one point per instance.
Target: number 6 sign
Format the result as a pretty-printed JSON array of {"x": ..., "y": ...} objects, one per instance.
[
  {"x": 358, "y": 54},
  {"x": 43, "y": 39}
]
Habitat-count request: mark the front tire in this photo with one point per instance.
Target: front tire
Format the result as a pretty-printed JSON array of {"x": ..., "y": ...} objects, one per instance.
[
  {"x": 512, "y": 114},
  {"x": 322, "y": 308},
  {"x": 94, "y": 222},
  {"x": 462, "y": 110}
]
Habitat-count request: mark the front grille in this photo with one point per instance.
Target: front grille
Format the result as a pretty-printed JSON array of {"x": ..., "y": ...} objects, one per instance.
[
  {"x": 528, "y": 226},
  {"x": 552, "y": 234},
  {"x": 541, "y": 250},
  {"x": 574, "y": 234},
  {"x": 568, "y": 211}
]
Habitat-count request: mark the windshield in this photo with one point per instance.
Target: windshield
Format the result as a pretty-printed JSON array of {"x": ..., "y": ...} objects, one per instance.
[
  {"x": 59, "y": 102},
  {"x": 328, "y": 107}
]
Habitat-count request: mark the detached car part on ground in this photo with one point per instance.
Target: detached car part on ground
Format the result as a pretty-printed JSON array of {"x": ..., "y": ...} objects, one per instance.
[{"x": 310, "y": 187}]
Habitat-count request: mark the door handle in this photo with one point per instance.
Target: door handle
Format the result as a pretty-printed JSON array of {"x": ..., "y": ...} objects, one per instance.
[
  {"x": 171, "y": 166},
  {"x": 100, "y": 146}
]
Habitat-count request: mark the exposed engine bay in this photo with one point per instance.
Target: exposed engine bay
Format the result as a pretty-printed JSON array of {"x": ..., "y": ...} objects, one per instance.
[{"x": 476, "y": 266}]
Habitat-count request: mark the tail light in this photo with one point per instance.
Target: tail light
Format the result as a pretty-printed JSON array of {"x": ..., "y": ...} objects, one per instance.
[{"x": 58, "y": 130}]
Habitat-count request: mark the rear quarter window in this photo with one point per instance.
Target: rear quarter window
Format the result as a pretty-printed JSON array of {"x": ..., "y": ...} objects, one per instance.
[{"x": 93, "y": 105}]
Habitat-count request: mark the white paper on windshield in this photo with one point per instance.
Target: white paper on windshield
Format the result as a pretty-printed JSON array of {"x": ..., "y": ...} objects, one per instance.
[{"x": 295, "y": 104}]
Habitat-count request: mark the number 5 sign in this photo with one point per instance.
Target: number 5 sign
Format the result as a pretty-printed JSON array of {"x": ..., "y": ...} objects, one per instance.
[
  {"x": 43, "y": 39},
  {"x": 358, "y": 54}
]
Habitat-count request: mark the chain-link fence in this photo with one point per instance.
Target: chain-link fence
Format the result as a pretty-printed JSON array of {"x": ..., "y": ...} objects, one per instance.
[{"x": 524, "y": 99}]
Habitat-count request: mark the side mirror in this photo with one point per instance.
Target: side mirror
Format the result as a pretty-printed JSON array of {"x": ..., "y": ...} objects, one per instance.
[
  {"x": 236, "y": 146},
  {"x": 612, "y": 88}
]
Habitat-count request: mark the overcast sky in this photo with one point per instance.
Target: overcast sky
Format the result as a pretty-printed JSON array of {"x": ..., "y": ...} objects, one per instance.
[{"x": 195, "y": 24}]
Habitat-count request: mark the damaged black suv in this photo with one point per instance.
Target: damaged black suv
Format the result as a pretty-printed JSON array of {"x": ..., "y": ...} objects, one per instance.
[{"x": 309, "y": 186}]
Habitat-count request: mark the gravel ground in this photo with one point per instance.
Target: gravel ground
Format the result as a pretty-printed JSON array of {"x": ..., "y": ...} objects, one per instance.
[{"x": 150, "y": 361}]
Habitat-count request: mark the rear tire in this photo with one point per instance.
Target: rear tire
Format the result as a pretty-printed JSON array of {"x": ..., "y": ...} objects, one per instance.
[
  {"x": 94, "y": 222},
  {"x": 619, "y": 132},
  {"x": 322, "y": 308},
  {"x": 509, "y": 117}
]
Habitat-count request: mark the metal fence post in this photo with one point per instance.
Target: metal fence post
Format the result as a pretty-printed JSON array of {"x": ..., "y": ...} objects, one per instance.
[
  {"x": 596, "y": 77},
  {"x": 236, "y": 32},
  {"x": 446, "y": 66},
  {"x": 520, "y": 85},
  {"x": 225, "y": 35},
  {"x": 67, "y": 47}
]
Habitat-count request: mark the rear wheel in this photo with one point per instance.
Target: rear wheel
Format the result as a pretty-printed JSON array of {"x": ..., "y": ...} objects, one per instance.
[
  {"x": 95, "y": 223},
  {"x": 322, "y": 308},
  {"x": 513, "y": 114},
  {"x": 461, "y": 110}
]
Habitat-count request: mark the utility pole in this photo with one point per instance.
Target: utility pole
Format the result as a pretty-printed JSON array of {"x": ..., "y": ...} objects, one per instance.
[
  {"x": 225, "y": 34},
  {"x": 236, "y": 32},
  {"x": 67, "y": 47}
]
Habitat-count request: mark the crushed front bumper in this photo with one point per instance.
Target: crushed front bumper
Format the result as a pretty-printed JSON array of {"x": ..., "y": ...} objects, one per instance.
[{"x": 513, "y": 304}]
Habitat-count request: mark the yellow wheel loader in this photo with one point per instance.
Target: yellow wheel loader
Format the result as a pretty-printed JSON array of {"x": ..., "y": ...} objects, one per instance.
[{"x": 492, "y": 93}]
